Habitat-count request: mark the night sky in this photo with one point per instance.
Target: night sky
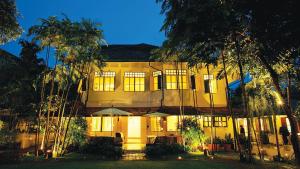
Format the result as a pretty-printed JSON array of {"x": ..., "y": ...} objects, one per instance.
[{"x": 123, "y": 21}]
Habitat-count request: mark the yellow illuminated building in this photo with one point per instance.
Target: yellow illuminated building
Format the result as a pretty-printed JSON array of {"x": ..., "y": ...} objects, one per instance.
[{"x": 131, "y": 81}]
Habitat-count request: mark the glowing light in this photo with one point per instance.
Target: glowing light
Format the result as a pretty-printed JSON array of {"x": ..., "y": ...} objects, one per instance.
[
  {"x": 179, "y": 158},
  {"x": 278, "y": 99}
]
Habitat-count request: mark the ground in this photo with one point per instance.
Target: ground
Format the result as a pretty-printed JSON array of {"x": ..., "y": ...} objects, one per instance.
[{"x": 219, "y": 162}]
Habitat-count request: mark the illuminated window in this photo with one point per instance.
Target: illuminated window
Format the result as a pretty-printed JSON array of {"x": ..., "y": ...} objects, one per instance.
[
  {"x": 172, "y": 123},
  {"x": 206, "y": 121},
  {"x": 104, "y": 81},
  {"x": 107, "y": 123},
  {"x": 134, "y": 81},
  {"x": 220, "y": 122},
  {"x": 176, "y": 79},
  {"x": 210, "y": 84},
  {"x": 155, "y": 123},
  {"x": 96, "y": 123},
  {"x": 217, "y": 121},
  {"x": 157, "y": 80}
]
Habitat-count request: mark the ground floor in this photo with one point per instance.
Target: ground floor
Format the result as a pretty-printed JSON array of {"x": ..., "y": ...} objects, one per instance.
[{"x": 137, "y": 131}]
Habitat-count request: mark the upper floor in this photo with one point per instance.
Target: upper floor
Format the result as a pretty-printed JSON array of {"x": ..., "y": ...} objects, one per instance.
[{"x": 142, "y": 83}]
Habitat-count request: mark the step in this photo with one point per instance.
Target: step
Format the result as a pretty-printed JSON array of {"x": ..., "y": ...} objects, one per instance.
[
  {"x": 134, "y": 146},
  {"x": 133, "y": 155}
]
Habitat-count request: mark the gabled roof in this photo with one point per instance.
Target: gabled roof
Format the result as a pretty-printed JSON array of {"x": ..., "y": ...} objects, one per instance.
[{"x": 128, "y": 53}]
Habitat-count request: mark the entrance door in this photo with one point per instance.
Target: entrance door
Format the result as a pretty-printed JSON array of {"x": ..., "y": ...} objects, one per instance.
[
  {"x": 134, "y": 127},
  {"x": 134, "y": 133}
]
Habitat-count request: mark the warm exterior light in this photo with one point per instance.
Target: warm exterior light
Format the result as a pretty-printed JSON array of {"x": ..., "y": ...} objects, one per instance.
[
  {"x": 179, "y": 158},
  {"x": 278, "y": 99}
]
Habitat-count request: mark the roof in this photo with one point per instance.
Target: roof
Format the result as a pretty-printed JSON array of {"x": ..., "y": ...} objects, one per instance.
[{"x": 128, "y": 53}]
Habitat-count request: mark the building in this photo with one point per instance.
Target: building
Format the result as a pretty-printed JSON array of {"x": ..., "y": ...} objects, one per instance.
[{"x": 133, "y": 82}]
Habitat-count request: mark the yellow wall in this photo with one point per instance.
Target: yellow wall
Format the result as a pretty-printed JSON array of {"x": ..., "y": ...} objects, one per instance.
[{"x": 151, "y": 98}]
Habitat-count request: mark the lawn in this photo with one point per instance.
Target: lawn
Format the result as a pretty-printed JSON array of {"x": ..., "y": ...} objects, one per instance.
[{"x": 203, "y": 163}]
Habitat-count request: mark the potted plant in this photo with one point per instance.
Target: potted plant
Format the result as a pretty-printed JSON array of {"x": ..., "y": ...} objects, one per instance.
[
  {"x": 216, "y": 146},
  {"x": 227, "y": 142}
]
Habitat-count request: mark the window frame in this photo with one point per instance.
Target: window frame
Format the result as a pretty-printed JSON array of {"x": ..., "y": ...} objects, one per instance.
[
  {"x": 177, "y": 124},
  {"x": 220, "y": 119},
  {"x": 158, "y": 125},
  {"x": 156, "y": 75},
  {"x": 206, "y": 123},
  {"x": 104, "y": 76},
  {"x": 177, "y": 73},
  {"x": 100, "y": 122},
  {"x": 210, "y": 78},
  {"x": 134, "y": 76}
]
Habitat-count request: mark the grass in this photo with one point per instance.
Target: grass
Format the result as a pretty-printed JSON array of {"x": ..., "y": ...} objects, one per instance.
[{"x": 189, "y": 162}]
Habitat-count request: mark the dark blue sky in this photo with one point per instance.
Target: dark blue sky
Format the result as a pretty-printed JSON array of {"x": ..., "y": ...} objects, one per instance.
[{"x": 123, "y": 21}]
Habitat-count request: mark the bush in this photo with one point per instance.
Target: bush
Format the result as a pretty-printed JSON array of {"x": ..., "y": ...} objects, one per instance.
[
  {"x": 159, "y": 150},
  {"x": 102, "y": 146},
  {"x": 192, "y": 134},
  {"x": 77, "y": 131}
]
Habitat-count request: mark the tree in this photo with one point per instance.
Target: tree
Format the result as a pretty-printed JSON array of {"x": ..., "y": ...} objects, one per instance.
[
  {"x": 201, "y": 29},
  {"x": 275, "y": 30},
  {"x": 9, "y": 26},
  {"x": 77, "y": 49}
]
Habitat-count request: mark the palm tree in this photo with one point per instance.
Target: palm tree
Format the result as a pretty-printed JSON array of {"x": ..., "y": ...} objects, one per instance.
[{"x": 77, "y": 47}]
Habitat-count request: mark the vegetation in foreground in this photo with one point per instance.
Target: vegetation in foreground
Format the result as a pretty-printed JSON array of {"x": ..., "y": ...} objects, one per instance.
[{"x": 188, "y": 162}]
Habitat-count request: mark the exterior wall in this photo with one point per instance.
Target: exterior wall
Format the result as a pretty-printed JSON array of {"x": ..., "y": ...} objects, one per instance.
[
  {"x": 120, "y": 125},
  {"x": 151, "y": 98}
]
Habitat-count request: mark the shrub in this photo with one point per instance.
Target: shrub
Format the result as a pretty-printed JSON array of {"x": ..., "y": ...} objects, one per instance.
[
  {"x": 159, "y": 150},
  {"x": 192, "y": 134},
  {"x": 102, "y": 146},
  {"x": 77, "y": 131}
]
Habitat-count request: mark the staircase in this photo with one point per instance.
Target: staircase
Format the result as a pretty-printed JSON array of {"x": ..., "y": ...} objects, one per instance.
[{"x": 134, "y": 155}]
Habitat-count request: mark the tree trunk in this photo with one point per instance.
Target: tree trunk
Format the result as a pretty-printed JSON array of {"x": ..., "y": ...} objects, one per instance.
[
  {"x": 276, "y": 135},
  {"x": 211, "y": 105},
  {"x": 229, "y": 107},
  {"x": 244, "y": 98}
]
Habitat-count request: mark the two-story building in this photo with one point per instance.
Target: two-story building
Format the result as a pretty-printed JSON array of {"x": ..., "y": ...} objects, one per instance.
[{"x": 131, "y": 81}]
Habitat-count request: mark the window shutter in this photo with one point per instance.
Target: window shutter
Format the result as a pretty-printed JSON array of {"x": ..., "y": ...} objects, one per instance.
[
  {"x": 206, "y": 86},
  {"x": 159, "y": 82},
  {"x": 193, "y": 83},
  {"x": 83, "y": 87}
]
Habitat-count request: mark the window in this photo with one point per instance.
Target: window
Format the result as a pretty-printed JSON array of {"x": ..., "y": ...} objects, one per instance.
[
  {"x": 220, "y": 121},
  {"x": 155, "y": 123},
  {"x": 134, "y": 81},
  {"x": 172, "y": 123},
  {"x": 210, "y": 84},
  {"x": 104, "y": 81},
  {"x": 217, "y": 121},
  {"x": 102, "y": 123},
  {"x": 157, "y": 80},
  {"x": 96, "y": 123},
  {"x": 206, "y": 121},
  {"x": 176, "y": 79},
  {"x": 107, "y": 123}
]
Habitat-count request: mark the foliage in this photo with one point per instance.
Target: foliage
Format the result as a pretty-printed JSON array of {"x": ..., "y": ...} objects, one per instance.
[
  {"x": 192, "y": 134},
  {"x": 19, "y": 80},
  {"x": 9, "y": 26},
  {"x": 102, "y": 147},
  {"x": 77, "y": 131},
  {"x": 77, "y": 46},
  {"x": 159, "y": 150},
  {"x": 216, "y": 140},
  {"x": 7, "y": 136},
  {"x": 228, "y": 139}
]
